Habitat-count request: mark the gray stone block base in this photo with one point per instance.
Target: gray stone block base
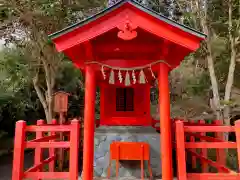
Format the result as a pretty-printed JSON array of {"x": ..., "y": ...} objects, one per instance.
[{"x": 104, "y": 136}]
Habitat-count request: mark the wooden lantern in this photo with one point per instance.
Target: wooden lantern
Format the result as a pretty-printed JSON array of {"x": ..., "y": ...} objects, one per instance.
[{"x": 61, "y": 102}]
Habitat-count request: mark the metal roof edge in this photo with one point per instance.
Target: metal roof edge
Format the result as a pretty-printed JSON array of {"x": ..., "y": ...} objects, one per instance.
[
  {"x": 137, "y": 5},
  {"x": 168, "y": 20},
  {"x": 87, "y": 20}
]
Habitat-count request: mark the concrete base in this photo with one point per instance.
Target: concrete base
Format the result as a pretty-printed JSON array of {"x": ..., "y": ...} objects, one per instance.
[{"x": 104, "y": 136}]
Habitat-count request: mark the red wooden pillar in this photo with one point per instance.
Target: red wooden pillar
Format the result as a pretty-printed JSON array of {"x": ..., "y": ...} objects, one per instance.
[
  {"x": 192, "y": 139},
  {"x": 52, "y": 150},
  {"x": 38, "y": 150},
  {"x": 180, "y": 150},
  {"x": 18, "y": 153},
  {"x": 237, "y": 131},
  {"x": 203, "y": 151},
  {"x": 221, "y": 154},
  {"x": 89, "y": 118},
  {"x": 74, "y": 145},
  {"x": 165, "y": 122}
]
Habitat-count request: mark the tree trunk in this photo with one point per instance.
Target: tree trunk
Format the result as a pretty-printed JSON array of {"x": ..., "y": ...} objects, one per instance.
[
  {"x": 50, "y": 84},
  {"x": 230, "y": 79},
  {"x": 40, "y": 95},
  {"x": 214, "y": 83},
  {"x": 232, "y": 65}
]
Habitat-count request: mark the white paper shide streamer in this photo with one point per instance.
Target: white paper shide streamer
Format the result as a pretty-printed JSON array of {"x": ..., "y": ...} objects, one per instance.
[
  {"x": 127, "y": 79},
  {"x": 128, "y": 75},
  {"x": 111, "y": 77}
]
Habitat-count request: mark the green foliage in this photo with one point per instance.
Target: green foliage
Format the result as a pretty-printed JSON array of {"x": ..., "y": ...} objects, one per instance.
[
  {"x": 35, "y": 19},
  {"x": 18, "y": 99},
  {"x": 197, "y": 86}
]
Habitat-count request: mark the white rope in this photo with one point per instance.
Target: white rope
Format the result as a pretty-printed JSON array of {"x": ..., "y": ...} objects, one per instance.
[{"x": 129, "y": 69}]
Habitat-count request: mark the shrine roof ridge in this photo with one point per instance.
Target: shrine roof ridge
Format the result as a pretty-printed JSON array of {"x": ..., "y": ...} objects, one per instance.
[{"x": 135, "y": 4}]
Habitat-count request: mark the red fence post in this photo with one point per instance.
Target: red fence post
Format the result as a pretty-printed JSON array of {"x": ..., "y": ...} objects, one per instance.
[
  {"x": 203, "y": 151},
  {"x": 38, "y": 150},
  {"x": 74, "y": 144},
  {"x": 18, "y": 154},
  {"x": 52, "y": 150},
  {"x": 221, "y": 155},
  {"x": 237, "y": 131},
  {"x": 180, "y": 151},
  {"x": 192, "y": 139},
  {"x": 61, "y": 151}
]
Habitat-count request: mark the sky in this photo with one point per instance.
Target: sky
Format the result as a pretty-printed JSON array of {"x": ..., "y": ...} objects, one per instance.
[{"x": 1, "y": 43}]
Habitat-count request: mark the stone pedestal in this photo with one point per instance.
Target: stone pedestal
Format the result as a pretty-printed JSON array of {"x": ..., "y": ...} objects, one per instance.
[{"x": 104, "y": 136}]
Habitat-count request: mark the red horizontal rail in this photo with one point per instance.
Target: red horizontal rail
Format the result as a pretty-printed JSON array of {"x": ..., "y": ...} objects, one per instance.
[
  {"x": 213, "y": 176},
  {"x": 38, "y": 166},
  {"x": 35, "y": 172},
  {"x": 46, "y": 138},
  {"x": 209, "y": 129},
  {"x": 212, "y": 163},
  {"x": 48, "y": 144},
  {"x": 211, "y": 145},
  {"x": 192, "y": 122},
  {"x": 58, "y": 128},
  {"x": 200, "y": 125},
  {"x": 47, "y": 175},
  {"x": 207, "y": 138}
]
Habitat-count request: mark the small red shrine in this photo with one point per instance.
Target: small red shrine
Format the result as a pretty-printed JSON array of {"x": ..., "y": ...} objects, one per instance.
[{"x": 123, "y": 50}]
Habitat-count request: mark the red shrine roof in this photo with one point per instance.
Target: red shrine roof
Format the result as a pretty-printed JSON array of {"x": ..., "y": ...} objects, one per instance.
[{"x": 126, "y": 35}]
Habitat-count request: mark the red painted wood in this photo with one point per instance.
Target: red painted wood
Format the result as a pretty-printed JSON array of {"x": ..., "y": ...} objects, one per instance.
[
  {"x": 38, "y": 167},
  {"x": 212, "y": 176},
  {"x": 206, "y": 138},
  {"x": 111, "y": 117},
  {"x": 211, "y": 145},
  {"x": 117, "y": 159},
  {"x": 209, "y": 129},
  {"x": 60, "y": 102},
  {"x": 161, "y": 29},
  {"x": 192, "y": 139},
  {"x": 165, "y": 122},
  {"x": 129, "y": 151},
  {"x": 94, "y": 29},
  {"x": 142, "y": 161},
  {"x": 220, "y": 167},
  {"x": 38, "y": 151},
  {"x": 18, "y": 154},
  {"x": 33, "y": 172},
  {"x": 123, "y": 47},
  {"x": 119, "y": 16},
  {"x": 217, "y": 143},
  {"x": 237, "y": 129},
  {"x": 47, "y": 175},
  {"x": 45, "y": 138},
  {"x": 49, "y": 127},
  {"x": 125, "y": 121},
  {"x": 203, "y": 152},
  {"x": 150, "y": 32},
  {"x": 52, "y": 150},
  {"x": 74, "y": 144},
  {"x": 220, "y": 153},
  {"x": 180, "y": 150},
  {"x": 89, "y": 124},
  {"x": 47, "y": 144},
  {"x": 61, "y": 138}
]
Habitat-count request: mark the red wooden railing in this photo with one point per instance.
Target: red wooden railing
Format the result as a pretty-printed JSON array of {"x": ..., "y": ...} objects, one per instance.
[
  {"x": 50, "y": 142},
  {"x": 198, "y": 131}
]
